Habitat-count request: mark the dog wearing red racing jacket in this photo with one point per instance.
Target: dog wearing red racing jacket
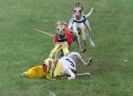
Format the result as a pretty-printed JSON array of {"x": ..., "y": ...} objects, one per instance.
[
  {"x": 63, "y": 34},
  {"x": 66, "y": 36}
]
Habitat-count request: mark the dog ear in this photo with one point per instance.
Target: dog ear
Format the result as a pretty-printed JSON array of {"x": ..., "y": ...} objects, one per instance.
[
  {"x": 64, "y": 23},
  {"x": 77, "y": 4},
  {"x": 47, "y": 61},
  {"x": 58, "y": 22}
]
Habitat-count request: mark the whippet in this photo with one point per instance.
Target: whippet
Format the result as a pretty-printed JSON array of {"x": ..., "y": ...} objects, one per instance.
[
  {"x": 56, "y": 69},
  {"x": 79, "y": 23},
  {"x": 64, "y": 36},
  {"x": 64, "y": 66}
]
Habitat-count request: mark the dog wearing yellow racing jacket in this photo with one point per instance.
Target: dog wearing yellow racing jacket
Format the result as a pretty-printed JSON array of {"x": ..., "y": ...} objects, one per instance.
[
  {"x": 40, "y": 70},
  {"x": 65, "y": 67}
]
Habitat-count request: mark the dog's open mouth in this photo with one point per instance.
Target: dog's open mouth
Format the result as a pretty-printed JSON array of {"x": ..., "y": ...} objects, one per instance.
[{"x": 62, "y": 36}]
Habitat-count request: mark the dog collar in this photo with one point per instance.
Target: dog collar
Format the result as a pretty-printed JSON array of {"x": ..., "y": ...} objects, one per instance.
[
  {"x": 80, "y": 21},
  {"x": 62, "y": 40}
]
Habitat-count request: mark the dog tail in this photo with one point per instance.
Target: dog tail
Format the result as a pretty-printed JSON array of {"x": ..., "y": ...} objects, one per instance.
[
  {"x": 87, "y": 15},
  {"x": 84, "y": 74}
]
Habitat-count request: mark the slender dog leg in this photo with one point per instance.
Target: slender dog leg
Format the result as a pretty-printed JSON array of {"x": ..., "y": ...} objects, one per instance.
[
  {"x": 89, "y": 33},
  {"x": 82, "y": 61},
  {"x": 78, "y": 37},
  {"x": 83, "y": 34},
  {"x": 79, "y": 43},
  {"x": 91, "y": 42},
  {"x": 76, "y": 57},
  {"x": 72, "y": 75}
]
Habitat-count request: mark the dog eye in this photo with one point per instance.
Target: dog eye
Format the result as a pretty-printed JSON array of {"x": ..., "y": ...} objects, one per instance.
[
  {"x": 44, "y": 64},
  {"x": 74, "y": 11},
  {"x": 58, "y": 29},
  {"x": 80, "y": 11},
  {"x": 63, "y": 29}
]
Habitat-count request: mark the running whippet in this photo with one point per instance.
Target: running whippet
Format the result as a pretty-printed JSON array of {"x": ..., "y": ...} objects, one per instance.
[
  {"x": 79, "y": 23},
  {"x": 64, "y": 36}
]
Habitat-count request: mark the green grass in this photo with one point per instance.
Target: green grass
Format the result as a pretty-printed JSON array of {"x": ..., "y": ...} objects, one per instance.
[{"x": 21, "y": 47}]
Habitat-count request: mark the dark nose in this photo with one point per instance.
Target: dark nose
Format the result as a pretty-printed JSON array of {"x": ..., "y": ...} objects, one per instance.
[{"x": 78, "y": 17}]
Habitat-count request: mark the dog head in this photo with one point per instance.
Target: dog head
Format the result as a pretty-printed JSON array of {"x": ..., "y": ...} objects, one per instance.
[
  {"x": 77, "y": 10},
  {"x": 47, "y": 64},
  {"x": 47, "y": 61},
  {"x": 60, "y": 27}
]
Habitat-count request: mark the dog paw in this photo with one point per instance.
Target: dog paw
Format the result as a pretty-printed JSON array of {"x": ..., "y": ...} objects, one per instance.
[
  {"x": 89, "y": 61},
  {"x": 83, "y": 50},
  {"x": 93, "y": 45},
  {"x": 70, "y": 78}
]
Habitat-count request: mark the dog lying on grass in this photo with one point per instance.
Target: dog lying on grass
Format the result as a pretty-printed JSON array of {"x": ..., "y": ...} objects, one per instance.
[
  {"x": 64, "y": 68},
  {"x": 40, "y": 70},
  {"x": 79, "y": 23}
]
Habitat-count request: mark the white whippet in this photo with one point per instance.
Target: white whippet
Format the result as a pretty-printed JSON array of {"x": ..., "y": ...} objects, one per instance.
[
  {"x": 79, "y": 23},
  {"x": 69, "y": 64},
  {"x": 65, "y": 66}
]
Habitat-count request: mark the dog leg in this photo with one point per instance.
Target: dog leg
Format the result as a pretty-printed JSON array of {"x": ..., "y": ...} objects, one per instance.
[
  {"x": 85, "y": 63},
  {"x": 77, "y": 37},
  {"x": 77, "y": 57},
  {"x": 89, "y": 33},
  {"x": 91, "y": 42},
  {"x": 72, "y": 75},
  {"x": 79, "y": 43},
  {"x": 83, "y": 34},
  {"x": 88, "y": 25}
]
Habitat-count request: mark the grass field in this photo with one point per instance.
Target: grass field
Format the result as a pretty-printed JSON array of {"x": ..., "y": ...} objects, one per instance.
[{"x": 21, "y": 47}]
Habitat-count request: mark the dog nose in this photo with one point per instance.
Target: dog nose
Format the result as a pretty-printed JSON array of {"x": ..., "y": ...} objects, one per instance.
[{"x": 78, "y": 17}]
